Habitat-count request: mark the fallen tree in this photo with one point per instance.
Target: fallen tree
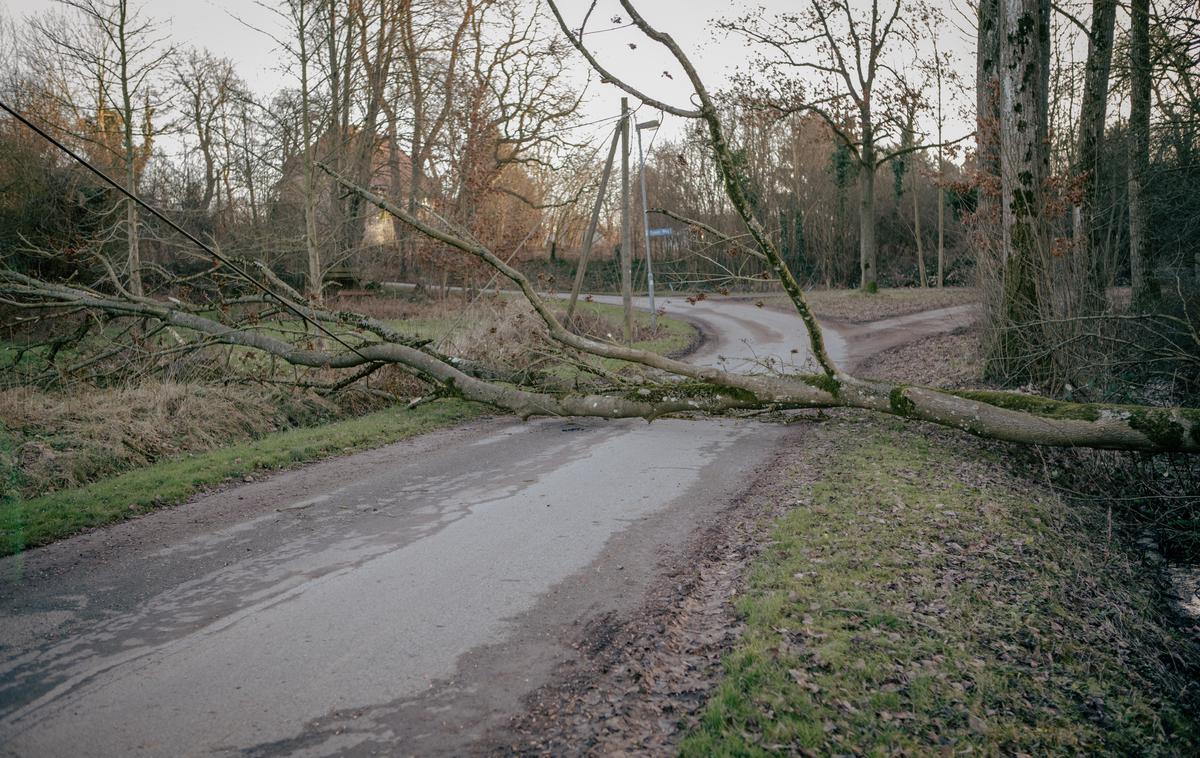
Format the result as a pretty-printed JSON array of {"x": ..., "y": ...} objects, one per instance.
[{"x": 671, "y": 386}]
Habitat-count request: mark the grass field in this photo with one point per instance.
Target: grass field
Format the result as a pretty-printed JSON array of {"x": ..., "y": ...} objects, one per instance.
[{"x": 916, "y": 600}]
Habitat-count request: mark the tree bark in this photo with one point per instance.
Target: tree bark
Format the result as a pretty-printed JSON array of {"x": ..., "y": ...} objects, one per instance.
[
  {"x": 941, "y": 162},
  {"x": 987, "y": 110},
  {"x": 626, "y": 229},
  {"x": 917, "y": 232},
  {"x": 132, "y": 249},
  {"x": 1017, "y": 354},
  {"x": 868, "y": 253},
  {"x": 1089, "y": 237},
  {"x": 1145, "y": 285}
]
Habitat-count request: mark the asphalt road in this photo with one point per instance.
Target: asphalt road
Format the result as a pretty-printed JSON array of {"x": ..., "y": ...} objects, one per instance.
[{"x": 398, "y": 601}]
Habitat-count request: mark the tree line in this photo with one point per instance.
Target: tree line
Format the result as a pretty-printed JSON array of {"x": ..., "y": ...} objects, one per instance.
[{"x": 1047, "y": 227}]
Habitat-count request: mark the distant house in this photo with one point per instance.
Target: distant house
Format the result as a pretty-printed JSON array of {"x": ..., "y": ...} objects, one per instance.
[{"x": 374, "y": 227}]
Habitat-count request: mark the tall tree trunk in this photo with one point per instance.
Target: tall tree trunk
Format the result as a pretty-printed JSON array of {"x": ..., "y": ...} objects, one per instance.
[
  {"x": 868, "y": 253},
  {"x": 132, "y": 252},
  {"x": 917, "y": 231},
  {"x": 313, "y": 252},
  {"x": 941, "y": 261},
  {"x": 1089, "y": 237},
  {"x": 941, "y": 162},
  {"x": 1018, "y": 354},
  {"x": 1145, "y": 285},
  {"x": 987, "y": 110},
  {"x": 626, "y": 229}
]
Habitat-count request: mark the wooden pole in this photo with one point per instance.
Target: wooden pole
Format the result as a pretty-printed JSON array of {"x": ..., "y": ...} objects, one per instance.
[
  {"x": 586, "y": 250},
  {"x": 626, "y": 231}
]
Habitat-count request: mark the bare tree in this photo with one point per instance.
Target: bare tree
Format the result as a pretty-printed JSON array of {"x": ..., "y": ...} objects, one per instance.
[
  {"x": 207, "y": 84},
  {"x": 301, "y": 19},
  {"x": 666, "y": 385},
  {"x": 852, "y": 57},
  {"x": 116, "y": 54}
]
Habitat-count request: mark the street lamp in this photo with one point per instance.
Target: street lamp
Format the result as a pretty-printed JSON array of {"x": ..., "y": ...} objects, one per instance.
[{"x": 646, "y": 222}]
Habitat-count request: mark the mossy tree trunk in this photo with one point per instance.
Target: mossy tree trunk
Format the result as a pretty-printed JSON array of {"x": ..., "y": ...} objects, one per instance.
[
  {"x": 1019, "y": 354},
  {"x": 987, "y": 101}
]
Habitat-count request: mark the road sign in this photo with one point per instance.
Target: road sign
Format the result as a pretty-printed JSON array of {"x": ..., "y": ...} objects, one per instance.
[{"x": 661, "y": 232}]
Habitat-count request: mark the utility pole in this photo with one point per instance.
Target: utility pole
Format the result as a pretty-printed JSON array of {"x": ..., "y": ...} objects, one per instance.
[
  {"x": 646, "y": 223},
  {"x": 626, "y": 231},
  {"x": 586, "y": 251}
]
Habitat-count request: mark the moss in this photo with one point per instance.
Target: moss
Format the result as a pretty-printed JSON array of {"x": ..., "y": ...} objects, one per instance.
[
  {"x": 1158, "y": 426},
  {"x": 690, "y": 390},
  {"x": 823, "y": 382},
  {"x": 871, "y": 288},
  {"x": 900, "y": 403},
  {"x": 1038, "y": 406},
  {"x": 450, "y": 388}
]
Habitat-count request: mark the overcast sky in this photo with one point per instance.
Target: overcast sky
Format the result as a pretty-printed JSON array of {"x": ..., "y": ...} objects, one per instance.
[{"x": 214, "y": 24}]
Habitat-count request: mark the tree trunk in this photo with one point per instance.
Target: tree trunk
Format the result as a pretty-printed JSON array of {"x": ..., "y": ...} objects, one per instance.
[
  {"x": 132, "y": 252},
  {"x": 941, "y": 162},
  {"x": 1018, "y": 353},
  {"x": 917, "y": 232},
  {"x": 1089, "y": 238},
  {"x": 987, "y": 106},
  {"x": 868, "y": 253},
  {"x": 1145, "y": 285},
  {"x": 941, "y": 261},
  {"x": 626, "y": 229},
  {"x": 312, "y": 250}
]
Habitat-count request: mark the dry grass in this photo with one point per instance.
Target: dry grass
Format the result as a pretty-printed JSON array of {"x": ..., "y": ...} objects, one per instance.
[
  {"x": 399, "y": 306},
  {"x": 57, "y": 441},
  {"x": 502, "y": 332}
]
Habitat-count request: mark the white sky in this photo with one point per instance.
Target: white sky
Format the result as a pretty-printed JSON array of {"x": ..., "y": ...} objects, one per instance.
[{"x": 212, "y": 24}]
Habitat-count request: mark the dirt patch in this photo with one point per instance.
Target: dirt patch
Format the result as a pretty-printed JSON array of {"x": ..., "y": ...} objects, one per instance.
[{"x": 638, "y": 684}]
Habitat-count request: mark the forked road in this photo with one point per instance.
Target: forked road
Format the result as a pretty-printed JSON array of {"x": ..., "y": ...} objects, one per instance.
[{"x": 401, "y": 600}]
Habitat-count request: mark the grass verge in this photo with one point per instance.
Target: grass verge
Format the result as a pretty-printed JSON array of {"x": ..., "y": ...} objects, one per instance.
[
  {"x": 673, "y": 336},
  {"x": 916, "y": 599},
  {"x": 41, "y": 520}
]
